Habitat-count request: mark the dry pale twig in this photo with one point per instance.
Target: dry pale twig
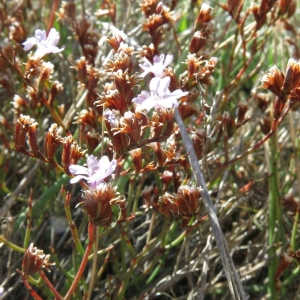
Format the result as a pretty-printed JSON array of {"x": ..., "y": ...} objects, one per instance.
[{"x": 234, "y": 282}]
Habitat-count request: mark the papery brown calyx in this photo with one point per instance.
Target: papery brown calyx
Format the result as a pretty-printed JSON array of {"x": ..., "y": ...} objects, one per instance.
[
  {"x": 287, "y": 7},
  {"x": 278, "y": 107},
  {"x": 52, "y": 141},
  {"x": 132, "y": 126},
  {"x": 56, "y": 88},
  {"x": 115, "y": 41},
  {"x": 242, "y": 109},
  {"x": 98, "y": 204},
  {"x": 32, "y": 139},
  {"x": 181, "y": 206},
  {"x": 265, "y": 124},
  {"x": 120, "y": 140},
  {"x": 35, "y": 260},
  {"x": 228, "y": 123},
  {"x": 286, "y": 259},
  {"x": 262, "y": 100},
  {"x": 122, "y": 60},
  {"x": 71, "y": 153},
  {"x": 67, "y": 10},
  {"x": 125, "y": 84},
  {"x": 204, "y": 17},
  {"x": 148, "y": 52},
  {"x": 33, "y": 66},
  {"x": 199, "y": 140},
  {"x": 159, "y": 152},
  {"x": 273, "y": 81},
  {"x": 292, "y": 76},
  {"x": 198, "y": 41},
  {"x": 112, "y": 99},
  {"x": 149, "y": 7},
  {"x": 22, "y": 127},
  {"x": 136, "y": 159},
  {"x": 233, "y": 7},
  {"x": 295, "y": 95},
  {"x": 87, "y": 117},
  {"x": 162, "y": 124},
  {"x": 88, "y": 39}
]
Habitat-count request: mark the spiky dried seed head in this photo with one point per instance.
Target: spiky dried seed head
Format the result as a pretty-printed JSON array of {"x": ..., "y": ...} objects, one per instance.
[{"x": 35, "y": 260}]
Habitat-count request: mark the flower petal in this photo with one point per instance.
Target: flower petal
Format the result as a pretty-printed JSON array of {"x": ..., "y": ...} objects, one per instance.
[
  {"x": 77, "y": 178},
  {"x": 168, "y": 60},
  {"x": 29, "y": 43},
  {"x": 76, "y": 170},
  {"x": 53, "y": 37}
]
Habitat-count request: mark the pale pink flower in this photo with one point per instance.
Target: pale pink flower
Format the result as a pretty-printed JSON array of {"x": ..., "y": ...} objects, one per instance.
[
  {"x": 95, "y": 172},
  {"x": 45, "y": 44},
  {"x": 158, "y": 66},
  {"x": 159, "y": 96}
]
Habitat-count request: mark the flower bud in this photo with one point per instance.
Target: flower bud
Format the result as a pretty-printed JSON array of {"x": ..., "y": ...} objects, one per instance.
[
  {"x": 56, "y": 88},
  {"x": 198, "y": 41},
  {"x": 136, "y": 159},
  {"x": 242, "y": 109},
  {"x": 119, "y": 139},
  {"x": 273, "y": 81},
  {"x": 181, "y": 206},
  {"x": 159, "y": 152},
  {"x": 71, "y": 153},
  {"x": 52, "y": 141},
  {"x": 204, "y": 16},
  {"x": 33, "y": 141},
  {"x": 115, "y": 41},
  {"x": 22, "y": 127},
  {"x": 265, "y": 125},
  {"x": 286, "y": 259},
  {"x": 199, "y": 141},
  {"x": 292, "y": 76}
]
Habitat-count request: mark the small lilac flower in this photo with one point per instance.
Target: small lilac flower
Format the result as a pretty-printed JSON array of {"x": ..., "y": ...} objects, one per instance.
[
  {"x": 159, "y": 96},
  {"x": 45, "y": 44},
  {"x": 95, "y": 171},
  {"x": 159, "y": 64}
]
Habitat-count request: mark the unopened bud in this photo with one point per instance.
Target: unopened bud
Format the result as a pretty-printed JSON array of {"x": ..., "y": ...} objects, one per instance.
[
  {"x": 23, "y": 125},
  {"x": 52, "y": 141}
]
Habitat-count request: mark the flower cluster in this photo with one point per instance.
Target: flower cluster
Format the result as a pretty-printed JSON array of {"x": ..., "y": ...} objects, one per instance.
[
  {"x": 100, "y": 196},
  {"x": 160, "y": 95}
]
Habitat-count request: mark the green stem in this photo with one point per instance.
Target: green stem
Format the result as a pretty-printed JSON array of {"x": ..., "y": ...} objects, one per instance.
[
  {"x": 29, "y": 222},
  {"x": 11, "y": 245},
  {"x": 274, "y": 217}
]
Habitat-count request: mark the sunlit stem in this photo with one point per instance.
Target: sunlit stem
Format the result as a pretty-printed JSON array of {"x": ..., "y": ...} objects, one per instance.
[
  {"x": 29, "y": 222},
  {"x": 49, "y": 284},
  {"x": 91, "y": 234},
  {"x": 29, "y": 288}
]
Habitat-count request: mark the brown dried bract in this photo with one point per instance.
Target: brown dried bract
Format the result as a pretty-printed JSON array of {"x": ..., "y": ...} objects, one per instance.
[{"x": 35, "y": 260}]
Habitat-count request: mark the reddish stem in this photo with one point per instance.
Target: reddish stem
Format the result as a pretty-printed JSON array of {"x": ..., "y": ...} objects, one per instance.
[
  {"x": 91, "y": 234},
  {"x": 49, "y": 284},
  {"x": 52, "y": 14},
  {"x": 29, "y": 288}
]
